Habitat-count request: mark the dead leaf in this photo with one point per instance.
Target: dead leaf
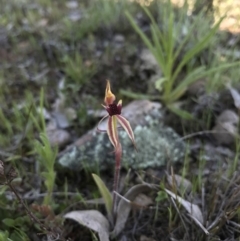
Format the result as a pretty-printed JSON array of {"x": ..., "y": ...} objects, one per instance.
[
  {"x": 191, "y": 208},
  {"x": 180, "y": 182},
  {"x": 124, "y": 207},
  {"x": 93, "y": 220},
  {"x": 199, "y": 224},
  {"x": 45, "y": 211},
  {"x": 143, "y": 200},
  {"x": 235, "y": 95}
]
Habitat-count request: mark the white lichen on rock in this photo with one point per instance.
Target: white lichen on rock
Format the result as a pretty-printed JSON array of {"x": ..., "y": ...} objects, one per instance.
[{"x": 157, "y": 145}]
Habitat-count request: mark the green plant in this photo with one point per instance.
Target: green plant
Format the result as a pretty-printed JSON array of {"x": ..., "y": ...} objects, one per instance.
[
  {"x": 168, "y": 46},
  {"x": 47, "y": 156},
  {"x": 19, "y": 226},
  {"x": 4, "y": 236},
  {"x": 78, "y": 72},
  {"x": 218, "y": 80},
  {"x": 7, "y": 175},
  {"x": 111, "y": 11},
  {"x": 117, "y": 212},
  {"x": 96, "y": 14},
  {"x": 107, "y": 197}
]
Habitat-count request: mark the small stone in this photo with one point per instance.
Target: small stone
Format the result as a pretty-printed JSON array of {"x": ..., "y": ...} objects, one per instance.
[
  {"x": 58, "y": 137},
  {"x": 228, "y": 116},
  {"x": 72, "y": 4},
  {"x": 75, "y": 15},
  {"x": 2, "y": 168},
  {"x": 225, "y": 129},
  {"x": 197, "y": 88},
  {"x": 225, "y": 133},
  {"x": 61, "y": 120},
  {"x": 118, "y": 38},
  {"x": 148, "y": 61}
]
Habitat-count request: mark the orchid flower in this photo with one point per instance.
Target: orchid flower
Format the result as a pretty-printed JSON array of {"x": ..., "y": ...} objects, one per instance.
[{"x": 114, "y": 118}]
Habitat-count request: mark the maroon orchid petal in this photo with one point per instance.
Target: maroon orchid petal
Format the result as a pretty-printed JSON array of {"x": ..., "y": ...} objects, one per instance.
[
  {"x": 127, "y": 127},
  {"x": 114, "y": 109},
  {"x": 112, "y": 131},
  {"x": 100, "y": 123}
]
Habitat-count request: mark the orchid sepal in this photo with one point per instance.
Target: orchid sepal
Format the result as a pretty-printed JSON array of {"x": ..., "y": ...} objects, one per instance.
[
  {"x": 99, "y": 130},
  {"x": 119, "y": 103},
  {"x": 109, "y": 96},
  {"x": 112, "y": 131},
  {"x": 127, "y": 127}
]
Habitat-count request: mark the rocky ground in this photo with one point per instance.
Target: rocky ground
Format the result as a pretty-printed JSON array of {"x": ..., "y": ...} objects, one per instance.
[{"x": 182, "y": 183}]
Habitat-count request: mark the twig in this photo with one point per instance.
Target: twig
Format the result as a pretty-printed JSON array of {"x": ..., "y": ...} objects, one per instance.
[{"x": 30, "y": 214}]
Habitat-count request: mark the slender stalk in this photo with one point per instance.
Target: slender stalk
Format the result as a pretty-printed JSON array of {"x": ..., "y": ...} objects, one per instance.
[
  {"x": 118, "y": 157},
  {"x": 49, "y": 231},
  {"x": 30, "y": 214}
]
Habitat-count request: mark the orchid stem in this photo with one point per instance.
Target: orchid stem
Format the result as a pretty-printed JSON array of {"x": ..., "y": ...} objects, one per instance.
[
  {"x": 115, "y": 189},
  {"x": 115, "y": 119},
  {"x": 118, "y": 157}
]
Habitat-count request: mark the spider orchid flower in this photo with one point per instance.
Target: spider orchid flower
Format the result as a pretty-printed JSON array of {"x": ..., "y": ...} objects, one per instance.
[{"x": 115, "y": 119}]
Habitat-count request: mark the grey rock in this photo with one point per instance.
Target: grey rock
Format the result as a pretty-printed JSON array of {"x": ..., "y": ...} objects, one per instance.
[
  {"x": 228, "y": 116},
  {"x": 225, "y": 130},
  {"x": 58, "y": 137},
  {"x": 157, "y": 145}
]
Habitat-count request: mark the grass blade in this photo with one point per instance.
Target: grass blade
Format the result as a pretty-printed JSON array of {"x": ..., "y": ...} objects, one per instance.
[
  {"x": 140, "y": 32},
  {"x": 182, "y": 113},
  {"x": 183, "y": 85},
  {"x": 197, "y": 74},
  {"x": 196, "y": 49}
]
